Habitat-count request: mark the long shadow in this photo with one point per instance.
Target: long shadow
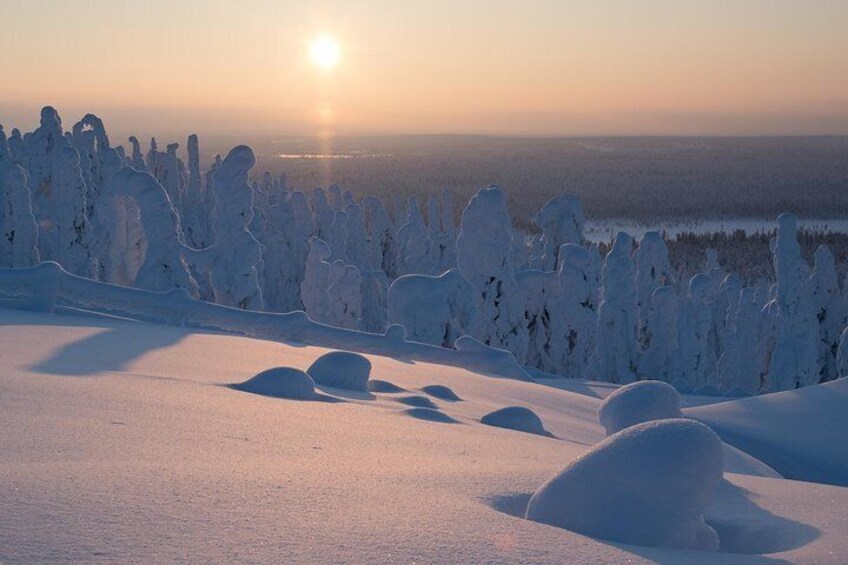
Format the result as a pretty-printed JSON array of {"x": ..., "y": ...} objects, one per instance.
[{"x": 110, "y": 350}]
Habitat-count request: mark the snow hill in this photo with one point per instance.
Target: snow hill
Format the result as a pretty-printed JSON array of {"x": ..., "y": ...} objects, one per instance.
[{"x": 124, "y": 441}]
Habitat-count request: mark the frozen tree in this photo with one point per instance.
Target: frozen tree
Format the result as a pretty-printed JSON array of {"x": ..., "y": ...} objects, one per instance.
[
  {"x": 237, "y": 264},
  {"x": 443, "y": 246},
  {"x": 561, "y": 221},
  {"x": 829, "y": 309},
  {"x": 660, "y": 336},
  {"x": 282, "y": 260},
  {"x": 724, "y": 304},
  {"x": 794, "y": 361},
  {"x": 842, "y": 355},
  {"x": 337, "y": 236},
  {"x": 381, "y": 236},
  {"x": 137, "y": 158},
  {"x": 197, "y": 209},
  {"x": 653, "y": 270},
  {"x": 357, "y": 252},
  {"x": 539, "y": 291},
  {"x": 163, "y": 267},
  {"x": 616, "y": 348},
  {"x": 573, "y": 315},
  {"x": 483, "y": 258},
  {"x": 696, "y": 362},
  {"x": 519, "y": 252},
  {"x": 322, "y": 213},
  {"x": 345, "y": 298},
  {"x": 413, "y": 243},
  {"x": 70, "y": 233},
  {"x": 375, "y": 287},
  {"x": 435, "y": 310},
  {"x": 316, "y": 281},
  {"x": 18, "y": 230},
  {"x": 739, "y": 366}
]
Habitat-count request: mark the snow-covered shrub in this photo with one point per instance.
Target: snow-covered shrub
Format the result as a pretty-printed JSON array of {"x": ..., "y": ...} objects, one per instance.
[
  {"x": 638, "y": 402},
  {"x": 280, "y": 382},
  {"x": 516, "y": 418},
  {"x": 341, "y": 369},
  {"x": 619, "y": 491}
]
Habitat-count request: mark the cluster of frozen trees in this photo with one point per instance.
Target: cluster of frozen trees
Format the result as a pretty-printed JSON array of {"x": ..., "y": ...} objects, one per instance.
[{"x": 151, "y": 220}]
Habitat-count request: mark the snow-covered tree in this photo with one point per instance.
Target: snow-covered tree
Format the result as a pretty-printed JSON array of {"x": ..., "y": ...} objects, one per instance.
[
  {"x": 573, "y": 315},
  {"x": 18, "y": 230},
  {"x": 653, "y": 270},
  {"x": 316, "y": 281},
  {"x": 561, "y": 221},
  {"x": 616, "y": 348},
  {"x": 237, "y": 263},
  {"x": 739, "y": 366},
  {"x": 539, "y": 291},
  {"x": 829, "y": 309},
  {"x": 660, "y": 336},
  {"x": 696, "y": 361},
  {"x": 483, "y": 258},
  {"x": 795, "y": 356}
]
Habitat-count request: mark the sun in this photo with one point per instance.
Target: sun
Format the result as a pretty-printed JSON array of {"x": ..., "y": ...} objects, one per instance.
[{"x": 324, "y": 51}]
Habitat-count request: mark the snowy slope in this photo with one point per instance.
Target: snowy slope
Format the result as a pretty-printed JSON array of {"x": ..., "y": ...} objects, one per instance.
[
  {"x": 799, "y": 433},
  {"x": 121, "y": 444}
]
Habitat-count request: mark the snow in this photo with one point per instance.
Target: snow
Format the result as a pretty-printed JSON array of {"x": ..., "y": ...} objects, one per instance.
[
  {"x": 280, "y": 382},
  {"x": 341, "y": 369},
  {"x": 638, "y": 402},
  {"x": 441, "y": 392},
  {"x": 516, "y": 418},
  {"x": 120, "y": 444},
  {"x": 647, "y": 485},
  {"x": 799, "y": 433}
]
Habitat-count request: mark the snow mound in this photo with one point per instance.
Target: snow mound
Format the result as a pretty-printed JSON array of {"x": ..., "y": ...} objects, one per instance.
[
  {"x": 376, "y": 385},
  {"x": 646, "y": 485},
  {"x": 682, "y": 386},
  {"x": 280, "y": 382},
  {"x": 430, "y": 415},
  {"x": 638, "y": 402},
  {"x": 417, "y": 401},
  {"x": 341, "y": 369},
  {"x": 516, "y": 418},
  {"x": 441, "y": 392}
]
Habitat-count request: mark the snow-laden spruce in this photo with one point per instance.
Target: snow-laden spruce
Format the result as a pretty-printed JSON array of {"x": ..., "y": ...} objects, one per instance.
[
  {"x": 561, "y": 221},
  {"x": 616, "y": 351},
  {"x": 237, "y": 256},
  {"x": 483, "y": 258},
  {"x": 18, "y": 229},
  {"x": 794, "y": 359},
  {"x": 573, "y": 318}
]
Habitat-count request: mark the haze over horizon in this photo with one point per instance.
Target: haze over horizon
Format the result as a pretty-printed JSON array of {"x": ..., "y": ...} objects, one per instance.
[{"x": 556, "y": 68}]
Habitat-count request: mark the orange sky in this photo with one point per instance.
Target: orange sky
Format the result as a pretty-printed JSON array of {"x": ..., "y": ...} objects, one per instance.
[{"x": 415, "y": 66}]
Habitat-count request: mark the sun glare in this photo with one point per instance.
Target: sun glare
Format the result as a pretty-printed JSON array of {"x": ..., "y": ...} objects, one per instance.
[{"x": 324, "y": 52}]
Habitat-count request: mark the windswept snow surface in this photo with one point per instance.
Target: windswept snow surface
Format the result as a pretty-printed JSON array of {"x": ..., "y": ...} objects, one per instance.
[
  {"x": 120, "y": 443},
  {"x": 802, "y": 434}
]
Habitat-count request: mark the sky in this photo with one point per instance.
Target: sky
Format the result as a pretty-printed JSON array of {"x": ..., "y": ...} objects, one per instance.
[{"x": 532, "y": 67}]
